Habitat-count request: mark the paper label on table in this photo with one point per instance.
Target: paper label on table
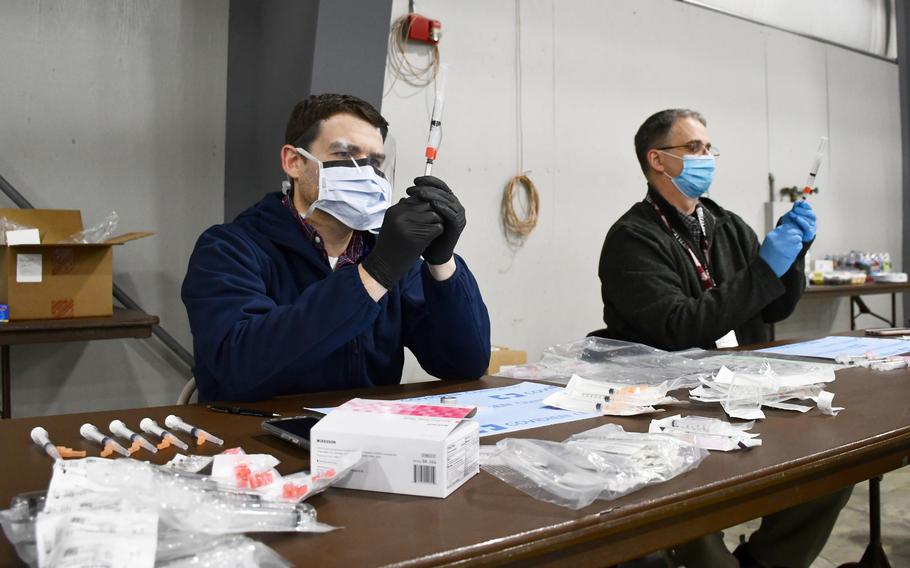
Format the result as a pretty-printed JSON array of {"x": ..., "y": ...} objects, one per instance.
[
  {"x": 744, "y": 413},
  {"x": 728, "y": 340},
  {"x": 508, "y": 409},
  {"x": 824, "y": 400},
  {"x": 28, "y": 267},
  {"x": 191, "y": 463},
  {"x": 97, "y": 538},
  {"x": 87, "y": 522},
  {"x": 23, "y": 237},
  {"x": 788, "y": 406}
]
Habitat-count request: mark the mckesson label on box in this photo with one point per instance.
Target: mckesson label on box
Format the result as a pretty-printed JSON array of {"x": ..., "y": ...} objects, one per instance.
[{"x": 413, "y": 449}]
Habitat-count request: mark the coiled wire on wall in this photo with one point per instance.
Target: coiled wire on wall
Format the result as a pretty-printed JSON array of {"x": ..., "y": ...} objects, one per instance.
[
  {"x": 414, "y": 74},
  {"x": 517, "y": 226}
]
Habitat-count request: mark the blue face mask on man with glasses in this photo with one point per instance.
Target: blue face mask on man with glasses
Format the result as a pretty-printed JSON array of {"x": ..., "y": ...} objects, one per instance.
[{"x": 698, "y": 169}]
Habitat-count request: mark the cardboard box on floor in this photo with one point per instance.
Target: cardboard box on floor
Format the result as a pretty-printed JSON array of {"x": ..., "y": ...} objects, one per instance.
[{"x": 52, "y": 280}]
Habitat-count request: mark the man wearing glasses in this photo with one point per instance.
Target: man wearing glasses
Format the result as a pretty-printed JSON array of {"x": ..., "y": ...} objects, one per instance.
[
  {"x": 678, "y": 271},
  {"x": 300, "y": 294}
]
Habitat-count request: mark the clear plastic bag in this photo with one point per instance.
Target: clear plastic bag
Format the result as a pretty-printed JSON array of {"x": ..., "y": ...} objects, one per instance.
[
  {"x": 96, "y": 233},
  {"x": 637, "y": 459},
  {"x": 175, "y": 548},
  {"x": 18, "y": 523},
  {"x": 708, "y": 433},
  {"x": 191, "y": 550},
  {"x": 756, "y": 363},
  {"x": 611, "y": 360},
  {"x": 602, "y": 463},
  {"x": 91, "y": 502},
  {"x": 9, "y": 225},
  {"x": 100, "y": 508},
  {"x": 758, "y": 382}
]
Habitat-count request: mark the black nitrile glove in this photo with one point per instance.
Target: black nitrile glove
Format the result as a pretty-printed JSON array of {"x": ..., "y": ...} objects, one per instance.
[
  {"x": 409, "y": 226},
  {"x": 435, "y": 192}
]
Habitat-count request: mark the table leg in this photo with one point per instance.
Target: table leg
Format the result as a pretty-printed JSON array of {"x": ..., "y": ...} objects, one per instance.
[
  {"x": 852, "y": 314},
  {"x": 5, "y": 376},
  {"x": 874, "y": 556},
  {"x": 893, "y": 310}
]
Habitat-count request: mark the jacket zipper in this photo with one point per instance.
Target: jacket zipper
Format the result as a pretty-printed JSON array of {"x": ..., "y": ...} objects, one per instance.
[{"x": 355, "y": 356}]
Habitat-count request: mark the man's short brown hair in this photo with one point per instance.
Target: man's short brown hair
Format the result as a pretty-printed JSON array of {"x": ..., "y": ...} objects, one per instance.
[
  {"x": 654, "y": 131},
  {"x": 303, "y": 125}
]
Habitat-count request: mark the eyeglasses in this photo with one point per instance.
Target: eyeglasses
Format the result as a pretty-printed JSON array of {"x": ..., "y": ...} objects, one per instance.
[{"x": 696, "y": 147}]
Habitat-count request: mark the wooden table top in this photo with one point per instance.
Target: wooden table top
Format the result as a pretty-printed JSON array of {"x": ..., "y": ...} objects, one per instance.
[
  {"x": 834, "y": 291},
  {"x": 489, "y": 522},
  {"x": 122, "y": 324}
]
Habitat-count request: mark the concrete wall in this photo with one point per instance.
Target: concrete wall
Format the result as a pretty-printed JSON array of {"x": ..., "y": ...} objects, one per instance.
[
  {"x": 591, "y": 73},
  {"x": 116, "y": 105}
]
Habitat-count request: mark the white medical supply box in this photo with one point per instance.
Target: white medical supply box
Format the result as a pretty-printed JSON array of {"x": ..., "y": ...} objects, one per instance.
[{"x": 408, "y": 448}]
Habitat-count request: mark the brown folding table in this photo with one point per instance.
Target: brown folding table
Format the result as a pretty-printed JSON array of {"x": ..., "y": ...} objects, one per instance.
[
  {"x": 488, "y": 522},
  {"x": 858, "y": 307},
  {"x": 123, "y": 324}
]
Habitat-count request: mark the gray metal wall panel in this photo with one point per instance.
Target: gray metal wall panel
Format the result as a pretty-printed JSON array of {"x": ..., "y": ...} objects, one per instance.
[
  {"x": 351, "y": 45},
  {"x": 270, "y": 62},
  {"x": 903, "y": 59},
  {"x": 279, "y": 52}
]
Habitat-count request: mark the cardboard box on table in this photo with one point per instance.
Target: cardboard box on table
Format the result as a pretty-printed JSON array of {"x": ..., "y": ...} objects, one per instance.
[{"x": 53, "y": 280}]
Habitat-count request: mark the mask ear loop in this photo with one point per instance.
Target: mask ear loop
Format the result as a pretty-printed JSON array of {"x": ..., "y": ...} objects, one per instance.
[
  {"x": 309, "y": 156},
  {"x": 665, "y": 167}
]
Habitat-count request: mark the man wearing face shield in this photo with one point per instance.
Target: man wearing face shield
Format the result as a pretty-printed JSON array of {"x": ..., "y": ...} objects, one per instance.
[
  {"x": 678, "y": 271},
  {"x": 321, "y": 286}
]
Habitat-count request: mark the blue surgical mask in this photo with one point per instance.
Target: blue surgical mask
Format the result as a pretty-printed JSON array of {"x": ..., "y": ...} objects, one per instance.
[
  {"x": 696, "y": 176},
  {"x": 352, "y": 191}
]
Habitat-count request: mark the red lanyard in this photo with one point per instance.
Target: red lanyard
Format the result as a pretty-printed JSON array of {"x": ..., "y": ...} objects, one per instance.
[{"x": 704, "y": 277}]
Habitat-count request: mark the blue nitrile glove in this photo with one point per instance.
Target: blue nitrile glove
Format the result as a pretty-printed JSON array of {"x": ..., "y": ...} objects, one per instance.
[
  {"x": 803, "y": 217},
  {"x": 781, "y": 247}
]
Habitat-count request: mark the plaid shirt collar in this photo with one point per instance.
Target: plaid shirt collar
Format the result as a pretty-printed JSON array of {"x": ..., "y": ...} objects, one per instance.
[
  {"x": 690, "y": 222},
  {"x": 351, "y": 255}
]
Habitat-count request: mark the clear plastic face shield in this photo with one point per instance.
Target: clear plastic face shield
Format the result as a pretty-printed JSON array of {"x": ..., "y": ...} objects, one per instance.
[{"x": 354, "y": 185}]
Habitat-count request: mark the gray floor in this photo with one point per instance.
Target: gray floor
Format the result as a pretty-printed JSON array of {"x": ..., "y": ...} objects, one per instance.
[{"x": 851, "y": 534}]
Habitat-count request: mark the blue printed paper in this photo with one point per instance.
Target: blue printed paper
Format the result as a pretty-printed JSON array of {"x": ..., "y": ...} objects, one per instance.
[
  {"x": 832, "y": 346},
  {"x": 508, "y": 409}
]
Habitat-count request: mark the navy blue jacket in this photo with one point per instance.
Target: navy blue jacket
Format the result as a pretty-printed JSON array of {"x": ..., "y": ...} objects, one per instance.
[{"x": 269, "y": 316}]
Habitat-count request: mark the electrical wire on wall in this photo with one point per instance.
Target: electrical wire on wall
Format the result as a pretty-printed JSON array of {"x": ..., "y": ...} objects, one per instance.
[
  {"x": 518, "y": 225},
  {"x": 411, "y": 29}
]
